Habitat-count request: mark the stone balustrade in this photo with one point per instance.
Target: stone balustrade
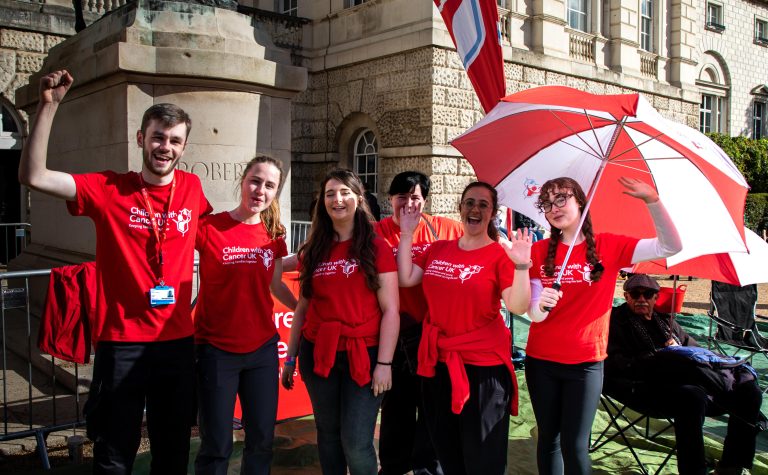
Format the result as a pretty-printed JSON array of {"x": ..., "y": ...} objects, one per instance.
[
  {"x": 101, "y": 6},
  {"x": 581, "y": 46},
  {"x": 649, "y": 64}
]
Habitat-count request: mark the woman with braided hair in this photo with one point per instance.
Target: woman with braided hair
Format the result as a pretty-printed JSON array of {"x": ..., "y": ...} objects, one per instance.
[{"x": 568, "y": 338}]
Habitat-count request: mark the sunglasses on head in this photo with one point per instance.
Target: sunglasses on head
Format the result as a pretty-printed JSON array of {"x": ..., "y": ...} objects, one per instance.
[{"x": 647, "y": 293}]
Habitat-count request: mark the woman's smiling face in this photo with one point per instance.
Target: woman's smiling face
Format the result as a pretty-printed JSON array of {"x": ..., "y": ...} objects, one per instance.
[
  {"x": 340, "y": 201},
  {"x": 566, "y": 216},
  {"x": 476, "y": 210}
]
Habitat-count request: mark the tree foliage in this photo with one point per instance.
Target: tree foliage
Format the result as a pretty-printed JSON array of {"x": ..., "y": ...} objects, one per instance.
[{"x": 750, "y": 156}]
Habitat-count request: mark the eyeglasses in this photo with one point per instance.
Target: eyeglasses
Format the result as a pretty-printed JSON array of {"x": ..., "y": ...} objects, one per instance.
[
  {"x": 559, "y": 201},
  {"x": 470, "y": 203},
  {"x": 647, "y": 293}
]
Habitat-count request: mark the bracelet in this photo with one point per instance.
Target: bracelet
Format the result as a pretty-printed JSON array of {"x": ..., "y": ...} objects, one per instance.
[
  {"x": 385, "y": 363},
  {"x": 525, "y": 266},
  {"x": 290, "y": 361}
]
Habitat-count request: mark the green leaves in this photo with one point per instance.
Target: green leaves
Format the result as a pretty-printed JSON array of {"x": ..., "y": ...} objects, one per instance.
[{"x": 751, "y": 158}]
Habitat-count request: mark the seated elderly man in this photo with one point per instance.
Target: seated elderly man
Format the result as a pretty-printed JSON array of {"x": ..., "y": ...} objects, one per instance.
[{"x": 640, "y": 373}]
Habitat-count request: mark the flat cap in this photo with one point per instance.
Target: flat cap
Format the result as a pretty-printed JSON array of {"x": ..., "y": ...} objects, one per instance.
[{"x": 641, "y": 280}]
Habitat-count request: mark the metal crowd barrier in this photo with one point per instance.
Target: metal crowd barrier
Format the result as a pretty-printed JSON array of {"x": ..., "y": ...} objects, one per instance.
[
  {"x": 43, "y": 411},
  {"x": 41, "y": 405},
  {"x": 299, "y": 234},
  {"x": 13, "y": 239}
]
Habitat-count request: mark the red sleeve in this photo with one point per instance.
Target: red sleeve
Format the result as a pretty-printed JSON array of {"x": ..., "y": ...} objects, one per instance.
[
  {"x": 205, "y": 206},
  {"x": 201, "y": 235},
  {"x": 620, "y": 248},
  {"x": 89, "y": 193},
  {"x": 281, "y": 249},
  {"x": 385, "y": 261},
  {"x": 422, "y": 259},
  {"x": 505, "y": 271},
  {"x": 538, "y": 256}
]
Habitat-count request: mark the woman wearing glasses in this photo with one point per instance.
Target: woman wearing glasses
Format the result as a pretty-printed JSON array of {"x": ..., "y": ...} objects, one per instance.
[
  {"x": 470, "y": 387},
  {"x": 568, "y": 338}
]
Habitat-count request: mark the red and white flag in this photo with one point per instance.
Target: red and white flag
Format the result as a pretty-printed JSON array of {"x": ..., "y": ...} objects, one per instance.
[{"x": 474, "y": 27}]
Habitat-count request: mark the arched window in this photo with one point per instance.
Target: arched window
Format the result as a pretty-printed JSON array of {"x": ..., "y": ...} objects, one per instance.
[
  {"x": 714, "y": 88},
  {"x": 11, "y": 242},
  {"x": 366, "y": 159},
  {"x": 10, "y": 133}
]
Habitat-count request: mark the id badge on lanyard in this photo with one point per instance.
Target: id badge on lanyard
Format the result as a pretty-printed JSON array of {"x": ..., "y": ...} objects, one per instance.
[{"x": 160, "y": 294}]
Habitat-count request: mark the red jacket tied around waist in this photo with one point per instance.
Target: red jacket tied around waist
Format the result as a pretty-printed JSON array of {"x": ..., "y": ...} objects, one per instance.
[
  {"x": 332, "y": 336},
  {"x": 486, "y": 346}
]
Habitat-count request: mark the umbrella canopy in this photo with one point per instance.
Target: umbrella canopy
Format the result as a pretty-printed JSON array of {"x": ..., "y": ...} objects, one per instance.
[
  {"x": 737, "y": 268},
  {"x": 552, "y": 131}
]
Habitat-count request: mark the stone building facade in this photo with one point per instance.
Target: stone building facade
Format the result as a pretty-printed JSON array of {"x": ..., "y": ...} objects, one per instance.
[
  {"x": 387, "y": 93},
  {"x": 388, "y": 68},
  {"x": 732, "y": 74}
]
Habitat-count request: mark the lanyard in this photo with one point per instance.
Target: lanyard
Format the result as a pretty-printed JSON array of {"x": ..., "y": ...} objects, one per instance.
[{"x": 159, "y": 235}]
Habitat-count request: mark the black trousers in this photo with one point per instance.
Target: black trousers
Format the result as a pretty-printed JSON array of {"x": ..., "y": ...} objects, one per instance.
[
  {"x": 689, "y": 405},
  {"x": 475, "y": 441},
  {"x": 564, "y": 399},
  {"x": 404, "y": 442},
  {"x": 221, "y": 377},
  {"x": 129, "y": 377}
]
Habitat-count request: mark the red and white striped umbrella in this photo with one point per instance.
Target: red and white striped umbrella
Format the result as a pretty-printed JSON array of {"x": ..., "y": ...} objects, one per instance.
[
  {"x": 736, "y": 268},
  {"x": 552, "y": 131}
]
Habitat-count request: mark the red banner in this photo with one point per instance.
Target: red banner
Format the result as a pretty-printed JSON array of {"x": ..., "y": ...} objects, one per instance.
[
  {"x": 474, "y": 27},
  {"x": 293, "y": 403}
]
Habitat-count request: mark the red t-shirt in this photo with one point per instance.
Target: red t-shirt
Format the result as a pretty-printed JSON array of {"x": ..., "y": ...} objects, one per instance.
[
  {"x": 126, "y": 253},
  {"x": 237, "y": 262},
  {"x": 339, "y": 291},
  {"x": 412, "y": 298},
  {"x": 463, "y": 288},
  {"x": 576, "y": 330}
]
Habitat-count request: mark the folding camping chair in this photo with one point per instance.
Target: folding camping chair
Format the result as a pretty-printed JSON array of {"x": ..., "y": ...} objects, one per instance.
[
  {"x": 732, "y": 309},
  {"x": 638, "y": 422}
]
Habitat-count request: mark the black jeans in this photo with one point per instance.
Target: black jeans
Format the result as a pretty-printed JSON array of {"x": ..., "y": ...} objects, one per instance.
[
  {"x": 126, "y": 378},
  {"x": 404, "y": 442},
  {"x": 345, "y": 414},
  {"x": 564, "y": 399},
  {"x": 475, "y": 441},
  {"x": 222, "y": 376},
  {"x": 690, "y": 404}
]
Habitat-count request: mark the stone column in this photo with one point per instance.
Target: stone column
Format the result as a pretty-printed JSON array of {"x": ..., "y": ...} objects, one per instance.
[
  {"x": 548, "y": 33},
  {"x": 683, "y": 38},
  {"x": 212, "y": 62},
  {"x": 624, "y": 35}
]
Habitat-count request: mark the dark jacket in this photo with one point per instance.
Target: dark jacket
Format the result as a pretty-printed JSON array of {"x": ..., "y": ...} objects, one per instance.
[{"x": 633, "y": 343}]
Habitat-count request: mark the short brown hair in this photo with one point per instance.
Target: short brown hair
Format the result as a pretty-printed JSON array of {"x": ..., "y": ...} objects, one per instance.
[{"x": 169, "y": 115}]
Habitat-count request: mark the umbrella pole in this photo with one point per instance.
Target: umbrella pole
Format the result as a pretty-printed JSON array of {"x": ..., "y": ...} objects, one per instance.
[
  {"x": 590, "y": 197},
  {"x": 581, "y": 223},
  {"x": 674, "y": 294}
]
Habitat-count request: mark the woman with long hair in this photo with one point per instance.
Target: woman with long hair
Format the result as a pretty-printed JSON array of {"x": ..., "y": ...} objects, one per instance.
[
  {"x": 345, "y": 325},
  {"x": 464, "y": 354},
  {"x": 568, "y": 338},
  {"x": 240, "y": 263}
]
